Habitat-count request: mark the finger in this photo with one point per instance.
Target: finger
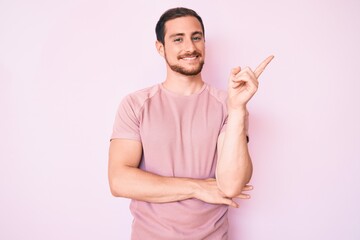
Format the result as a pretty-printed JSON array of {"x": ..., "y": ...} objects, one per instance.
[
  {"x": 243, "y": 196},
  {"x": 246, "y": 72},
  {"x": 233, "y": 204},
  {"x": 238, "y": 84},
  {"x": 262, "y": 66},
  {"x": 229, "y": 202},
  {"x": 251, "y": 84},
  {"x": 233, "y": 74},
  {"x": 247, "y": 188},
  {"x": 235, "y": 70},
  {"x": 246, "y": 76}
]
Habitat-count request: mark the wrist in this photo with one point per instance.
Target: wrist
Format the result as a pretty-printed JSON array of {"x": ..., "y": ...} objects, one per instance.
[
  {"x": 237, "y": 117},
  {"x": 238, "y": 121},
  {"x": 238, "y": 110},
  {"x": 193, "y": 187},
  {"x": 233, "y": 106}
]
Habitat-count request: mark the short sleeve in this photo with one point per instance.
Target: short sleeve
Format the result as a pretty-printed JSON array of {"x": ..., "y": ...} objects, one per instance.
[
  {"x": 126, "y": 124},
  {"x": 221, "y": 97}
]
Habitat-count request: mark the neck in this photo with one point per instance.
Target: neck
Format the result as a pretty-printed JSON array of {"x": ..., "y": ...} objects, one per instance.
[{"x": 183, "y": 85}]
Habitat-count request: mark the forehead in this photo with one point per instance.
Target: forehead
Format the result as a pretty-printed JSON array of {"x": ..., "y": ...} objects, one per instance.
[{"x": 183, "y": 25}]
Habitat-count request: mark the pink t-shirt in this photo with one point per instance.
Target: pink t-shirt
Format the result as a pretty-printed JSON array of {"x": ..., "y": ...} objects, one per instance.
[{"x": 179, "y": 136}]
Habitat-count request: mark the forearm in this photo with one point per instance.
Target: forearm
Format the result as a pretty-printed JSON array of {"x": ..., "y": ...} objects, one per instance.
[
  {"x": 127, "y": 180},
  {"x": 234, "y": 167},
  {"x": 134, "y": 183}
]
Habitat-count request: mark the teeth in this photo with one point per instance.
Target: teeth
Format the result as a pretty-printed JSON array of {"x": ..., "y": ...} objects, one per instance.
[{"x": 189, "y": 58}]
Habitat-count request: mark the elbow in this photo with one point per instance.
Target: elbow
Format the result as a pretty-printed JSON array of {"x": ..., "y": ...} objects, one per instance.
[
  {"x": 231, "y": 181},
  {"x": 114, "y": 191},
  {"x": 232, "y": 191},
  {"x": 120, "y": 183},
  {"x": 233, "y": 187},
  {"x": 115, "y": 188}
]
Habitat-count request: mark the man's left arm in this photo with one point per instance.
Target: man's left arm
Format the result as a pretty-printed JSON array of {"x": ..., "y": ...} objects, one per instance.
[{"x": 234, "y": 166}]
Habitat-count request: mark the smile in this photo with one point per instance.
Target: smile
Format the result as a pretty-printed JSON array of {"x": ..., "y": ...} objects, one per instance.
[{"x": 189, "y": 58}]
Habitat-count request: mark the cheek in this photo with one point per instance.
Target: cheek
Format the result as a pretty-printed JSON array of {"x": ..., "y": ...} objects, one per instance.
[
  {"x": 171, "y": 52},
  {"x": 201, "y": 48}
]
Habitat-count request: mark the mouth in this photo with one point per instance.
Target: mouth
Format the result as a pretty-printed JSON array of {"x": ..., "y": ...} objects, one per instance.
[{"x": 189, "y": 57}]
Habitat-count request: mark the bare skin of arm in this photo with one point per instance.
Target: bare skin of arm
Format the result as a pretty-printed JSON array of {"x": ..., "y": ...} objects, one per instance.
[
  {"x": 234, "y": 166},
  {"x": 127, "y": 180}
]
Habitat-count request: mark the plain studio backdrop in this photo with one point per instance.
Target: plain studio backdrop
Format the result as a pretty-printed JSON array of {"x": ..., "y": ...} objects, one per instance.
[{"x": 65, "y": 66}]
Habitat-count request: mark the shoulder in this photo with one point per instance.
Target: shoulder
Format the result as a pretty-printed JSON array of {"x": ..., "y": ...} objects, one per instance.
[
  {"x": 218, "y": 94},
  {"x": 138, "y": 98}
]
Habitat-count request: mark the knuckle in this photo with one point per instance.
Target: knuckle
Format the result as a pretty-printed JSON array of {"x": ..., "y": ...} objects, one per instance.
[{"x": 247, "y": 69}]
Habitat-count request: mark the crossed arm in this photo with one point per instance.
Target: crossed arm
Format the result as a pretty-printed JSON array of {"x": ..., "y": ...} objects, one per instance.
[{"x": 127, "y": 180}]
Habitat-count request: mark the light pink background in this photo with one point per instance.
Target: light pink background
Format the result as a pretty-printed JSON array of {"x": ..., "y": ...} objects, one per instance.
[{"x": 65, "y": 65}]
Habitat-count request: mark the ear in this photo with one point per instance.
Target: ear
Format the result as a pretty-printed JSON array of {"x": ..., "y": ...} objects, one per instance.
[{"x": 160, "y": 48}]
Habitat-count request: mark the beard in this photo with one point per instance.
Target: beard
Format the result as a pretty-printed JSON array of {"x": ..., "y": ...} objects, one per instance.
[{"x": 195, "y": 70}]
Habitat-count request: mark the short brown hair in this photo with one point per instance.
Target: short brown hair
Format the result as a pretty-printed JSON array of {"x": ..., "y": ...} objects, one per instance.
[{"x": 172, "y": 14}]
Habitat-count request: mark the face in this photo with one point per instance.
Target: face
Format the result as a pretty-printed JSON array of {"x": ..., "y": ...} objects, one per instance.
[{"x": 184, "y": 49}]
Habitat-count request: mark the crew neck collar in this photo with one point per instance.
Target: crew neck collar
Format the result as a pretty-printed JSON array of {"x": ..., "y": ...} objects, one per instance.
[{"x": 180, "y": 95}]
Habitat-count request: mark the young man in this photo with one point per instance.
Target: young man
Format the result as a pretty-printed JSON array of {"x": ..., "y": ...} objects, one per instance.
[{"x": 179, "y": 148}]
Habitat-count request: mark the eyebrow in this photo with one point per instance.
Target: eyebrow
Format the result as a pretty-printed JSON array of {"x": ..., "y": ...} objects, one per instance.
[{"x": 183, "y": 34}]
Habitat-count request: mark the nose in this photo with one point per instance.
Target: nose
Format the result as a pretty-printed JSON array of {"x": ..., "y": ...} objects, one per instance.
[{"x": 189, "y": 45}]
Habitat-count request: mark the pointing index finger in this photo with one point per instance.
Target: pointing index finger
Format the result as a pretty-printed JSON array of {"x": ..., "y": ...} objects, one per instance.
[{"x": 262, "y": 66}]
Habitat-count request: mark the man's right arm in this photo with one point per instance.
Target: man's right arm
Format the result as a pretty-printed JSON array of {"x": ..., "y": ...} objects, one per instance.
[{"x": 127, "y": 180}]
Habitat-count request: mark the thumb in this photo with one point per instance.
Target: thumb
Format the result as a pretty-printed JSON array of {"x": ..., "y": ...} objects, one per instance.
[
  {"x": 233, "y": 204},
  {"x": 230, "y": 202},
  {"x": 235, "y": 70}
]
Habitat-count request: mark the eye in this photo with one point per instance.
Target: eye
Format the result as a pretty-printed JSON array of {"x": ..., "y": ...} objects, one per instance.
[
  {"x": 197, "y": 38},
  {"x": 178, "y": 40}
]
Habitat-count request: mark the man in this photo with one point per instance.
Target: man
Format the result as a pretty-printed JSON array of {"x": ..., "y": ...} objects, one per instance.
[{"x": 179, "y": 148}]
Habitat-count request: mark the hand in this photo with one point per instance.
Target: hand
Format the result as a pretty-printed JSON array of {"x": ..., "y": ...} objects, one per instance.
[
  {"x": 243, "y": 195},
  {"x": 243, "y": 84},
  {"x": 210, "y": 193}
]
